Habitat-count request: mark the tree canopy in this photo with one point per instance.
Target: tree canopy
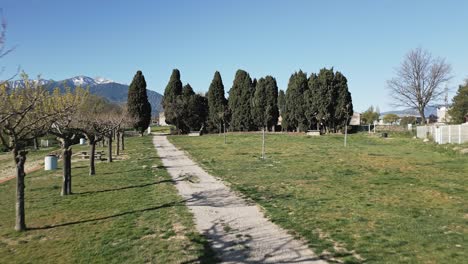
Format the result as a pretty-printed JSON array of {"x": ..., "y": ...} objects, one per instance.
[
  {"x": 459, "y": 109},
  {"x": 265, "y": 103},
  {"x": 419, "y": 80},
  {"x": 217, "y": 102},
  {"x": 371, "y": 115},
  {"x": 138, "y": 105},
  {"x": 240, "y": 97}
]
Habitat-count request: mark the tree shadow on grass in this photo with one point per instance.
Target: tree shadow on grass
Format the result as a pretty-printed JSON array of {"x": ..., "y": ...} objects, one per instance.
[
  {"x": 128, "y": 187},
  {"x": 166, "y": 205},
  {"x": 182, "y": 178}
]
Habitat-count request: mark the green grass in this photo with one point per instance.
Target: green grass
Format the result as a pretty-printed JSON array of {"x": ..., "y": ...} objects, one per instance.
[
  {"x": 394, "y": 200},
  {"x": 128, "y": 213},
  {"x": 34, "y": 156},
  {"x": 161, "y": 129}
]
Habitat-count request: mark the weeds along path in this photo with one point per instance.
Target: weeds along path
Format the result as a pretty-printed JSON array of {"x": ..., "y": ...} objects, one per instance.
[{"x": 238, "y": 231}]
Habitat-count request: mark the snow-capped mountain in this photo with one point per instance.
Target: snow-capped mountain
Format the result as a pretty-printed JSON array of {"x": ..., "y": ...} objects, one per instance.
[
  {"x": 87, "y": 81},
  {"x": 101, "y": 80},
  {"x": 114, "y": 92}
]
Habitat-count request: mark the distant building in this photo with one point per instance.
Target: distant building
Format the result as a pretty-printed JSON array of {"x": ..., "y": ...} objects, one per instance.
[
  {"x": 355, "y": 119},
  {"x": 162, "y": 119},
  {"x": 442, "y": 115}
]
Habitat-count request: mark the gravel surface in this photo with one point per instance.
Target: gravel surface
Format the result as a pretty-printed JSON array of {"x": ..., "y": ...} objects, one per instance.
[{"x": 237, "y": 230}]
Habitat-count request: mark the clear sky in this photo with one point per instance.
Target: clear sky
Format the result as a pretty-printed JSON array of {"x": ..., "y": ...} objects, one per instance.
[{"x": 365, "y": 40}]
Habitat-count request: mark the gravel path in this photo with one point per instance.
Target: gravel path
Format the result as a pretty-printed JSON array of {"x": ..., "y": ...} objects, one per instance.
[{"x": 237, "y": 230}]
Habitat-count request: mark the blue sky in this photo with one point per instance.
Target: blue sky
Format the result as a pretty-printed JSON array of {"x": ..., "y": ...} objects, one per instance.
[{"x": 365, "y": 40}]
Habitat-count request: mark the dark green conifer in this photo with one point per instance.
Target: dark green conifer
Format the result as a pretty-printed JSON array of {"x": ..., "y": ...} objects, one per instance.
[
  {"x": 265, "y": 103},
  {"x": 138, "y": 105},
  {"x": 240, "y": 97},
  {"x": 217, "y": 103},
  {"x": 172, "y": 101},
  {"x": 294, "y": 111}
]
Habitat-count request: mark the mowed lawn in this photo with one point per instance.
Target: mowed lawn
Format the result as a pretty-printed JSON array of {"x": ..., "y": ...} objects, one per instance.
[
  {"x": 128, "y": 213},
  {"x": 395, "y": 200}
]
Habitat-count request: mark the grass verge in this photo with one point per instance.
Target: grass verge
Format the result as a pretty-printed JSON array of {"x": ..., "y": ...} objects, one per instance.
[
  {"x": 128, "y": 213},
  {"x": 394, "y": 200}
]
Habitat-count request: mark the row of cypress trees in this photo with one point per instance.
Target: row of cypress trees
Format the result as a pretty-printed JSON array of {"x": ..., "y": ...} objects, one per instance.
[{"x": 320, "y": 101}]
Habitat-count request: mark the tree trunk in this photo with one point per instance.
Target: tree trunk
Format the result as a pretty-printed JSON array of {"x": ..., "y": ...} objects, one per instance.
[
  {"x": 423, "y": 116},
  {"x": 117, "y": 143},
  {"x": 67, "y": 153},
  {"x": 109, "y": 147},
  {"x": 92, "y": 167},
  {"x": 36, "y": 144},
  {"x": 20, "y": 160},
  {"x": 69, "y": 182},
  {"x": 122, "y": 141}
]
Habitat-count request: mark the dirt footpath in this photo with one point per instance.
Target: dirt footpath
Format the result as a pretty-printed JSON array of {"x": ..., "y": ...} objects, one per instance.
[{"x": 237, "y": 231}]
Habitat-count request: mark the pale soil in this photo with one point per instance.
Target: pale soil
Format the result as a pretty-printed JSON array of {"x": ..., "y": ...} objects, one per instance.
[{"x": 238, "y": 231}]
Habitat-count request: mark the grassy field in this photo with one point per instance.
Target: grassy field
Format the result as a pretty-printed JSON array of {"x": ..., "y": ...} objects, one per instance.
[
  {"x": 394, "y": 200},
  {"x": 128, "y": 213},
  {"x": 35, "y": 158},
  {"x": 161, "y": 129}
]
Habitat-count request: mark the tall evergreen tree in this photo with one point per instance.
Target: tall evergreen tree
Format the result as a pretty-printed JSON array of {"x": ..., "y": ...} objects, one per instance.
[
  {"x": 344, "y": 105},
  {"x": 240, "y": 97},
  {"x": 217, "y": 103},
  {"x": 281, "y": 108},
  {"x": 325, "y": 97},
  {"x": 265, "y": 103},
  {"x": 172, "y": 101},
  {"x": 281, "y": 101},
  {"x": 195, "y": 110},
  {"x": 459, "y": 109},
  {"x": 138, "y": 105},
  {"x": 294, "y": 110},
  {"x": 311, "y": 102}
]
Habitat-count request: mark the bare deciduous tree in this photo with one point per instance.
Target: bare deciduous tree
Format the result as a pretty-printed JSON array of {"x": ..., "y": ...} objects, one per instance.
[
  {"x": 65, "y": 127},
  {"x": 23, "y": 117},
  {"x": 91, "y": 125},
  {"x": 419, "y": 80}
]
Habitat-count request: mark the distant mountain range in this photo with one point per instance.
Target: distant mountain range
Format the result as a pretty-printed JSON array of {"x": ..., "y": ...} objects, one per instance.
[
  {"x": 430, "y": 110},
  {"x": 112, "y": 91}
]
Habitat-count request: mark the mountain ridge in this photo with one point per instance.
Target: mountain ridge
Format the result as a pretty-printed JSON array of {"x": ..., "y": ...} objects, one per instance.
[{"x": 112, "y": 91}]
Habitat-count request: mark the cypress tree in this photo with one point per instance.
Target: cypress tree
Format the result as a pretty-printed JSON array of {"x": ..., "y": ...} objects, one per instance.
[
  {"x": 172, "y": 101},
  {"x": 217, "y": 103},
  {"x": 294, "y": 110},
  {"x": 281, "y": 101},
  {"x": 311, "y": 102},
  {"x": 325, "y": 96},
  {"x": 138, "y": 105},
  {"x": 344, "y": 105},
  {"x": 195, "y": 110},
  {"x": 265, "y": 103},
  {"x": 240, "y": 97},
  {"x": 174, "y": 87},
  {"x": 281, "y": 108},
  {"x": 459, "y": 109}
]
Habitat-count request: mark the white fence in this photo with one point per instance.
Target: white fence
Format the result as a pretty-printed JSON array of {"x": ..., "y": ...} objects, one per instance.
[{"x": 443, "y": 134}]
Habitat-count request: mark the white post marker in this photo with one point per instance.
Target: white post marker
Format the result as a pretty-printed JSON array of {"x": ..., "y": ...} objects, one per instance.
[
  {"x": 50, "y": 162},
  {"x": 149, "y": 130}
]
